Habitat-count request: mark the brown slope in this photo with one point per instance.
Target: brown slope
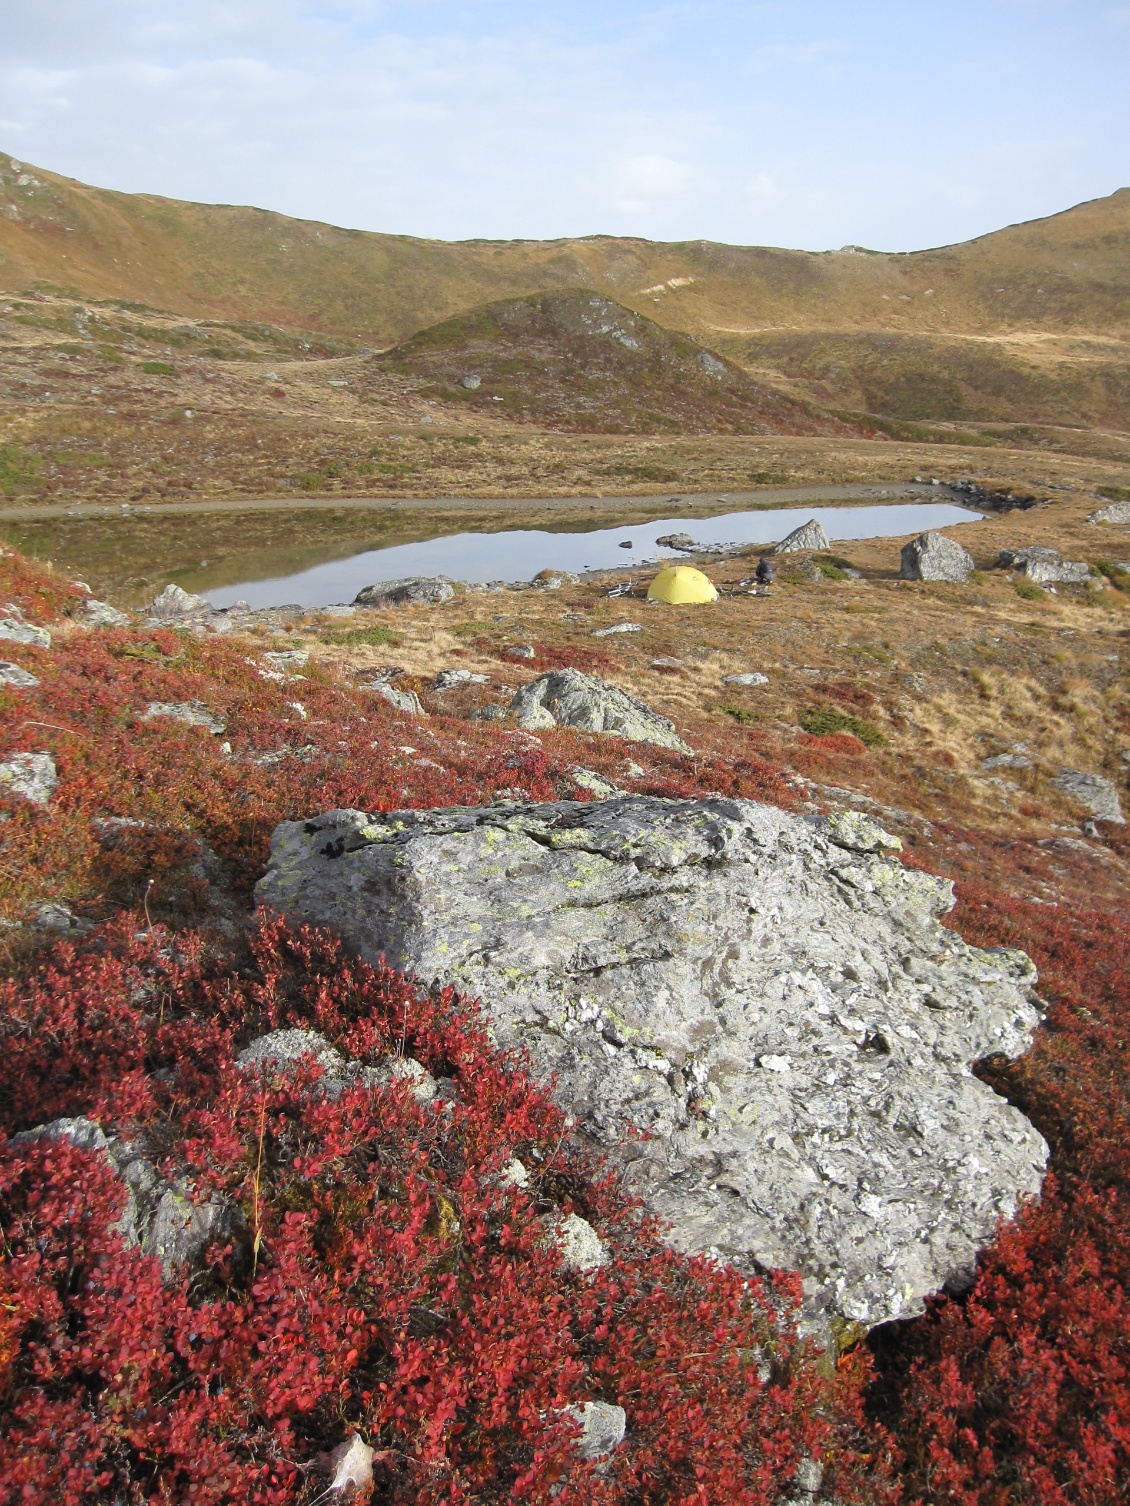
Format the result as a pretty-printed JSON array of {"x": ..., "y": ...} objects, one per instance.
[
  {"x": 1068, "y": 273},
  {"x": 580, "y": 362}
]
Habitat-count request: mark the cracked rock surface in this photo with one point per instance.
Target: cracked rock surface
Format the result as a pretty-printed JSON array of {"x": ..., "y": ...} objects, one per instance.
[{"x": 771, "y": 998}]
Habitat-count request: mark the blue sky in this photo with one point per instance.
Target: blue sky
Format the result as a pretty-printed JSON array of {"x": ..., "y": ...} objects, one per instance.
[{"x": 810, "y": 123}]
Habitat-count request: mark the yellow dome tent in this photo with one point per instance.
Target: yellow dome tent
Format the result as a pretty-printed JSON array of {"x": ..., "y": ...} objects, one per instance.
[{"x": 681, "y": 585}]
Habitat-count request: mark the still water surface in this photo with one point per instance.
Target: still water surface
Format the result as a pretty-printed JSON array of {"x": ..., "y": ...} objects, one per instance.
[{"x": 519, "y": 554}]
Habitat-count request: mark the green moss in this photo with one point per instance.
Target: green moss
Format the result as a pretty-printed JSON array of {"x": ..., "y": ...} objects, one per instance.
[
  {"x": 822, "y": 721},
  {"x": 374, "y": 635},
  {"x": 19, "y": 469},
  {"x": 1029, "y": 592},
  {"x": 158, "y": 368}
]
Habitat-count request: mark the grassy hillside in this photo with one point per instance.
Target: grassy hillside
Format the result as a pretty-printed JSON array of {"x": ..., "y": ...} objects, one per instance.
[{"x": 1064, "y": 274}]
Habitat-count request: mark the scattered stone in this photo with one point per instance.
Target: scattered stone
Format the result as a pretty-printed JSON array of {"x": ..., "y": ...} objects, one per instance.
[
  {"x": 403, "y": 700},
  {"x": 16, "y": 630},
  {"x": 31, "y": 776},
  {"x": 159, "y": 1215},
  {"x": 618, "y": 627},
  {"x": 681, "y": 541},
  {"x": 522, "y": 651},
  {"x": 340, "y": 609},
  {"x": 192, "y": 713},
  {"x": 1006, "y": 761},
  {"x": 596, "y": 784},
  {"x": 472, "y": 383},
  {"x": 421, "y": 1084},
  {"x": 17, "y": 677},
  {"x": 95, "y": 613},
  {"x": 1096, "y": 793},
  {"x": 1046, "y": 566},
  {"x": 582, "y": 1248},
  {"x": 809, "y": 535},
  {"x": 173, "y": 602},
  {"x": 489, "y": 714},
  {"x": 751, "y": 677},
  {"x": 53, "y": 916},
  {"x": 287, "y": 658},
  {"x": 602, "y": 1428},
  {"x": 447, "y": 679},
  {"x": 653, "y": 955},
  {"x": 514, "y": 1174},
  {"x": 1117, "y": 512},
  {"x": 553, "y": 580},
  {"x": 568, "y": 698},
  {"x": 933, "y": 556},
  {"x": 412, "y": 591},
  {"x": 711, "y": 364},
  {"x": 665, "y": 663}
]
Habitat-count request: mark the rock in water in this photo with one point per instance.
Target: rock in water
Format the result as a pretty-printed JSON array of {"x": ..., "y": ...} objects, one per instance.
[
  {"x": 412, "y": 591},
  {"x": 567, "y": 698},
  {"x": 769, "y": 997},
  {"x": 809, "y": 535},
  {"x": 933, "y": 556}
]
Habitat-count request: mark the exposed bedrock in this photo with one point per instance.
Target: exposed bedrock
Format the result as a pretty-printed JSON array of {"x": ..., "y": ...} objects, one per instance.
[{"x": 769, "y": 997}]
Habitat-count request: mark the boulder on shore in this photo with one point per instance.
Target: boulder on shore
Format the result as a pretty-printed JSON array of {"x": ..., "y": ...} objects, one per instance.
[
  {"x": 933, "y": 556},
  {"x": 414, "y": 590},
  {"x": 770, "y": 999},
  {"x": 809, "y": 535},
  {"x": 568, "y": 698}
]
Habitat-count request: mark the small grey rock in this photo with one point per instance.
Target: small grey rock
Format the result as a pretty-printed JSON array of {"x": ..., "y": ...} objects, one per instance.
[
  {"x": 933, "y": 556},
  {"x": 522, "y": 651},
  {"x": 1116, "y": 512},
  {"x": 711, "y": 364},
  {"x": 53, "y": 916},
  {"x": 192, "y": 713},
  {"x": 855, "y": 832},
  {"x": 582, "y": 1248},
  {"x": 448, "y": 679},
  {"x": 95, "y": 613},
  {"x": 283, "y": 1048},
  {"x": 568, "y": 698},
  {"x": 809, "y": 535},
  {"x": 618, "y": 627},
  {"x": 602, "y": 1428},
  {"x": 751, "y": 677},
  {"x": 1096, "y": 793},
  {"x": 19, "y": 679},
  {"x": 596, "y": 784},
  {"x": 15, "y": 630},
  {"x": 287, "y": 658},
  {"x": 403, "y": 700},
  {"x": 489, "y": 714},
  {"x": 1006, "y": 761},
  {"x": 31, "y": 776},
  {"x": 414, "y": 590},
  {"x": 472, "y": 382}
]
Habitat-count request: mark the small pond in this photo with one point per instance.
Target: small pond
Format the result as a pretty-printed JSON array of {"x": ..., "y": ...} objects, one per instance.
[{"x": 519, "y": 554}]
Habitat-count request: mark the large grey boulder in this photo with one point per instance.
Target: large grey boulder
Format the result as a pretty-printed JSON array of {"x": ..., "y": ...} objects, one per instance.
[
  {"x": 933, "y": 556},
  {"x": 770, "y": 999},
  {"x": 1096, "y": 793},
  {"x": 1046, "y": 566},
  {"x": 405, "y": 593},
  {"x": 809, "y": 535},
  {"x": 32, "y": 776},
  {"x": 568, "y": 698}
]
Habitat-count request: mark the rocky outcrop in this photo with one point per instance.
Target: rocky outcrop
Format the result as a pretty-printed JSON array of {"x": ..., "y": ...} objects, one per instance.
[
  {"x": 31, "y": 776},
  {"x": 174, "y": 603},
  {"x": 809, "y": 535},
  {"x": 933, "y": 556},
  {"x": 769, "y": 999},
  {"x": 568, "y": 698},
  {"x": 1099, "y": 796},
  {"x": 411, "y": 591},
  {"x": 1116, "y": 512},
  {"x": 95, "y": 613},
  {"x": 748, "y": 677},
  {"x": 1045, "y": 566}
]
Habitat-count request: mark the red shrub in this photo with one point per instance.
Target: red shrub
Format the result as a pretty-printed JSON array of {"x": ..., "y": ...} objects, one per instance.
[{"x": 394, "y": 1288}]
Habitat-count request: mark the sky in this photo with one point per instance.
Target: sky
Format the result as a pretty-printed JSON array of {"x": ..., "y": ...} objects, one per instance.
[{"x": 894, "y": 124}]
